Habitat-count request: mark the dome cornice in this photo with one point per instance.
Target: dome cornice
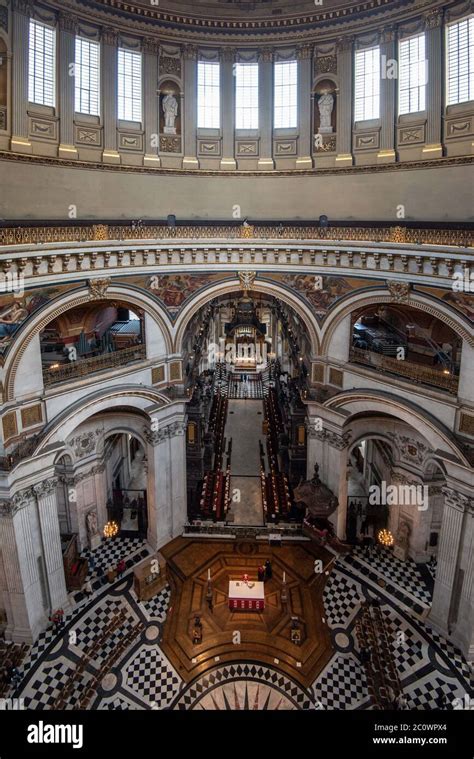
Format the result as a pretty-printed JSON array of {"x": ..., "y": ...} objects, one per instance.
[{"x": 348, "y": 19}]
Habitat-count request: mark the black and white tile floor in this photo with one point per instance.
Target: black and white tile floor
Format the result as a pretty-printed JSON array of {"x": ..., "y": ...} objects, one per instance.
[{"x": 432, "y": 672}]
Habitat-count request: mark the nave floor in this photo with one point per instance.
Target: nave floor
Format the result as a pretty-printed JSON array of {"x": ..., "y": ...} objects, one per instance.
[{"x": 430, "y": 668}]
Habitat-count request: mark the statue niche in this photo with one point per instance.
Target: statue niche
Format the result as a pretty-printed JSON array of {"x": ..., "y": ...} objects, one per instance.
[
  {"x": 325, "y": 107},
  {"x": 170, "y": 108}
]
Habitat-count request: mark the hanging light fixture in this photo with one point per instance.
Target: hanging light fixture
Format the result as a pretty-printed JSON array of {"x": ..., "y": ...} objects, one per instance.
[
  {"x": 385, "y": 538},
  {"x": 111, "y": 529}
]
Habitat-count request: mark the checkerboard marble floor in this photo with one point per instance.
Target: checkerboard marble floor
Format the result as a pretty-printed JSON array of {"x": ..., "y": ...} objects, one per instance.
[{"x": 432, "y": 672}]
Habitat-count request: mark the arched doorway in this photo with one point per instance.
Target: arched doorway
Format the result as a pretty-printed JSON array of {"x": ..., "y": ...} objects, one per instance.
[{"x": 126, "y": 483}]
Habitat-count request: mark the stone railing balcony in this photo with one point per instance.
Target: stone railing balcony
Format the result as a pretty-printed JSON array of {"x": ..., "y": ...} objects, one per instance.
[
  {"x": 83, "y": 368},
  {"x": 418, "y": 373}
]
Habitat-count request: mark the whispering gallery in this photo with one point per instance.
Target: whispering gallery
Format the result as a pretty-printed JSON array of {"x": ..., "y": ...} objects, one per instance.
[{"x": 236, "y": 355}]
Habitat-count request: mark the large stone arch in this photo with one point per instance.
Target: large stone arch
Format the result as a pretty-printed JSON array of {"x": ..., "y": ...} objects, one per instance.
[
  {"x": 351, "y": 302},
  {"x": 61, "y": 304},
  {"x": 132, "y": 397},
  {"x": 234, "y": 285},
  {"x": 359, "y": 402}
]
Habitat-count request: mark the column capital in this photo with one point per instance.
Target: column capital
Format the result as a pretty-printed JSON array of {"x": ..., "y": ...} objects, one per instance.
[
  {"x": 109, "y": 35},
  {"x": 151, "y": 46},
  {"x": 190, "y": 53},
  {"x": 67, "y": 22},
  {"x": 46, "y": 487},
  {"x": 456, "y": 500},
  {"x": 344, "y": 43},
  {"x": 23, "y": 6},
  {"x": 304, "y": 52},
  {"x": 227, "y": 54},
  {"x": 388, "y": 34},
  {"x": 433, "y": 19},
  {"x": 334, "y": 439},
  {"x": 21, "y": 500},
  {"x": 265, "y": 55},
  {"x": 155, "y": 437}
]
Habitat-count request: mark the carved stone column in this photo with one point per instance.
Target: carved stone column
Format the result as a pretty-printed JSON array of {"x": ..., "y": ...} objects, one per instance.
[
  {"x": 228, "y": 161},
  {"x": 463, "y": 634},
  {"x": 110, "y": 153},
  {"x": 386, "y": 152},
  {"x": 190, "y": 160},
  {"x": 67, "y": 57},
  {"x": 344, "y": 116},
  {"x": 265, "y": 101},
  {"x": 167, "y": 508},
  {"x": 455, "y": 504},
  {"x": 151, "y": 50},
  {"x": 23, "y": 600},
  {"x": 434, "y": 87},
  {"x": 20, "y": 142},
  {"x": 304, "y": 160},
  {"x": 45, "y": 493}
]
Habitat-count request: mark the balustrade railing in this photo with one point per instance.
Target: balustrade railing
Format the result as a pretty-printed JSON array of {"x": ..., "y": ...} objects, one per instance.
[
  {"x": 81, "y": 368},
  {"x": 418, "y": 373}
]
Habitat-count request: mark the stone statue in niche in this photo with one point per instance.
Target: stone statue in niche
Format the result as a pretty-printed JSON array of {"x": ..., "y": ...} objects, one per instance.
[
  {"x": 93, "y": 534},
  {"x": 170, "y": 110},
  {"x": 325, "y": 106}
]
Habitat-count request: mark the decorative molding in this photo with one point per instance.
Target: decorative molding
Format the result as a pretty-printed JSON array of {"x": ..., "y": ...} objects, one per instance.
[
  {"x": 158, "y": 374},
  {"x": 4, "y": 18},
  {"x": 285, "y": 147},
  {"x": 456, "y": 500},
  {"x": 318, "y": 373},
  {"x": 411, "y": 450},
  {"x": 466, "y": 424},
  {"x": 334, "y": 439},
  {"x": 85, "y": 443},
  {"x": 9, "y": 425},
  {"x": 247, "y": 148},
  {"x": 109, "y": 36},
  {"x": 190, "y": 53},
  {"x": 88, "y": 136},
  {"x": 164, "y": 433},
  {"x": 169, "y": 66},
  {"x": 98, "y": 288},
  {"x": 265, "y": 55},
  {"x": 434, "y": 18},
  {"x": 304, "y": 52},
  {"x": 247, "y": 278},
  {"x": 345, "y": 43},
  {"x": 130, "y": 141},
  {"x": 227, "y": 55},
  {"x": 336, "y": 377},
  {"x": 411, "y": 135},
  {"x": 325, "y": 64},
  {"x": 399, "y": 291},
  {"x": 31, "y": 415},
  {"x": 23, "y": 6},
  {"x": 43, "y": 128},
  {"x": 170, "y": 144},
  {"x": 367, "y": 140},
  {"x": 175, "y": 371},
  {"x": 209, "y": 147}
]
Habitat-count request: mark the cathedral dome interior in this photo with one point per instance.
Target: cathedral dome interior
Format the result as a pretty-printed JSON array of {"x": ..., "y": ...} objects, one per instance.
[{"x": 236, "y": 359}]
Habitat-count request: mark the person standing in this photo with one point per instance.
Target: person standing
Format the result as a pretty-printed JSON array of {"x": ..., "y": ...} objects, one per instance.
[
  {"x": 120, "y": 568},
  {"x": 268, "y": 570}
]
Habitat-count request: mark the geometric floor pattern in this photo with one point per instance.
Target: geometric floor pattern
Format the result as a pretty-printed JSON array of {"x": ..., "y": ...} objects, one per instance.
[{"x": 432, "y": 672}]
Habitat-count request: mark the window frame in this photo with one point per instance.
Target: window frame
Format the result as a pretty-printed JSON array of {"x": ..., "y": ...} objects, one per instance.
[
  {"x": 368, "y": 114},
  {"x": 215, "y": 91},
  {"x": 419, "y": 88},
  {"x": 35, "y": 77},
  {"x": 124, "y": 99},
  {"x": 291, "y": 87},
  {"x": 470, "y": 63},
  {"x": 241, "y": 109},
  {"x": 78, "y": 89}
]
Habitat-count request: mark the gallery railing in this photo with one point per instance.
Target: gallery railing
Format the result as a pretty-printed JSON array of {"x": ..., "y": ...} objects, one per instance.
[
  {"x": 418, "y": 373},
  {"x": 85, "y": 367},
  {"x": 25, "y": 235}
]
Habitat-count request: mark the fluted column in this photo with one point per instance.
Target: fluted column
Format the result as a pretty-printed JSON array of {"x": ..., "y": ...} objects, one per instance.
[
  {"x": 110, "y": 153},
  {"x": 166, "y": 488},
  {"x": 344, "y": 115},
  {"x": 51, "y": 541},
  {"x": 228, "y": 161},
  {"x": 20, "y": 142},
  {"x": 455, "y": 505},
  {"x": 386, "y": 152},
  {"x": 26, "y": 615},
  {"x": 304, "y": 160},
  {"x": 265, "y": 102},
  {"x": 434, "y": 87},
  {"x": 67, "y": 57},
  {"x": 151, "y": 50},
  {"x": 190, "y": 160},
  {"x": 463, "y": 635}
]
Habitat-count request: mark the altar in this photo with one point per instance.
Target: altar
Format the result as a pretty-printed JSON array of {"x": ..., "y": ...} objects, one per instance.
[{"x": 248, "y": 596}]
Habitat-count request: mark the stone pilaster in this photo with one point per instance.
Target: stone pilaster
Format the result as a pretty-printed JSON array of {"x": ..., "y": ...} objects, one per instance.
[
  {"x": 190, "y": 160},
  {"x": 386, "y": 152},
  {"x": 304, "y": 160},
  {"x": 21, "y": 12},
  {"x": 228, "y": 161},
  {"x": 67, "y": 56},
  {"x": 151, "y": 50},
  {"x": 344, "y": 115},
  {"x": 45, "y": 493},
  {"x": 265, "y": 101},
  {"x": 434, "y": 87},
  {"x": 455, "y": 505},
  {"x": 166, "y": 455},
  {"x": 26, "y": 615},
  {"x": 110, "y": 153}
]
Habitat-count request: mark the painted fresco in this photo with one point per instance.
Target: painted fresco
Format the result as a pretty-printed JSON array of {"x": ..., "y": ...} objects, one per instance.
[
  {"x": 461, "y": 301},
  {"x": 15, "y": 310}
]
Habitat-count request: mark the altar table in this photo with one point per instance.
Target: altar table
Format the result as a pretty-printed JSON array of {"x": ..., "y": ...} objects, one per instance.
[{"x": 242, "y": 596}]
